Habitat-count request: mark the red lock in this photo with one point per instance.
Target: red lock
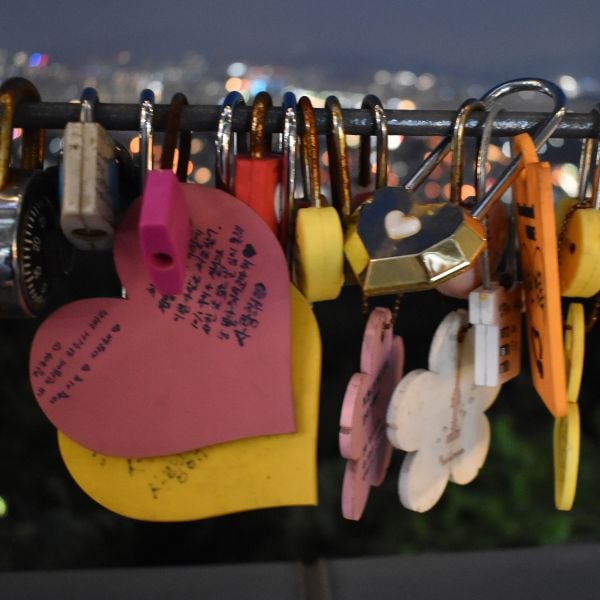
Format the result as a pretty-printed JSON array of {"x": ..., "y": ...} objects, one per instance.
[{"x": 258, "y": 174}]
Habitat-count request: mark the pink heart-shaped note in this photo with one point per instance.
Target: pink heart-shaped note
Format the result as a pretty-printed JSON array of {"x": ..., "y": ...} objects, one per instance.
[
  {"x": 363, "y": 438},
  {"x": 155, "y": 375}
]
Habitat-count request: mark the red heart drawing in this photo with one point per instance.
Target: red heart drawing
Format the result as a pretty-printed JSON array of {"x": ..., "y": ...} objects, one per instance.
[{"x": 155, "y": 375}]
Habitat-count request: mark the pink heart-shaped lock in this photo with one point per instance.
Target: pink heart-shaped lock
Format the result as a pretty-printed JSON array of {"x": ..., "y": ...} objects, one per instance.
[{"x": 158, "y": 374}]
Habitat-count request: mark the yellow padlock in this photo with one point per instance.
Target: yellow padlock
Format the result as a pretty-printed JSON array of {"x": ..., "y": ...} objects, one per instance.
[
  {"x": 566, "y": 438},
  {"x": 578, "y": 220},
  {"x": 319, "y": 236}
]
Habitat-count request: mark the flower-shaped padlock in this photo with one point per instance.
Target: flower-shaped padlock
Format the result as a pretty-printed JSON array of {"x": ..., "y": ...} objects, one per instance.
[{"x": 437, "y": 416}]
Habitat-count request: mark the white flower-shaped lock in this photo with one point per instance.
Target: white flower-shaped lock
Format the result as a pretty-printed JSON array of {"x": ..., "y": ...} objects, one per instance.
[{"x": 437, "y": 417}]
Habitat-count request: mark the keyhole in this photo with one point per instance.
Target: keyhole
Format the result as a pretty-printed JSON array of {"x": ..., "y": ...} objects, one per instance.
[
  {"x": 572, "y": 248},
  {"x": 161, "y": 260},
  {"x": 89, "y": 234}
]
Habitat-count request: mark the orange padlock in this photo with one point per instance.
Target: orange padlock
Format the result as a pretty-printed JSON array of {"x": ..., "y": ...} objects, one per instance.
[{"x": 536, "y": 229}]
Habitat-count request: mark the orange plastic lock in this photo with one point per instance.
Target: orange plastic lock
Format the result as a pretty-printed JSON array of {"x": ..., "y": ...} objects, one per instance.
[{"x": 536, "y": 229}]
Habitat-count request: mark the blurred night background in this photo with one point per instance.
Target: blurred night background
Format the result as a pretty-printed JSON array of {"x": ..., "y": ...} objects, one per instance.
[{"x": 412, "y": 55}]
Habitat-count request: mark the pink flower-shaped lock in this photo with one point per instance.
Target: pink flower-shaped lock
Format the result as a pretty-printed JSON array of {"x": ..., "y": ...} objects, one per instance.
[
  {"x": 363, "y": 438},
  {"x": 437, "y": 417}
]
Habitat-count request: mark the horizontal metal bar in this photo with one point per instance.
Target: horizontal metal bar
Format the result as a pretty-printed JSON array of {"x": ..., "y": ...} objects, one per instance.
[{"x": 203, "y": 118}]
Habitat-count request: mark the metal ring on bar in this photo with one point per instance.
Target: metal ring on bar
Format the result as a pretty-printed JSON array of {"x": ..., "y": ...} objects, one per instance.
[
  {"x": 146, "y": 135},
  {"x": 225, "y": 157},
  {"x": 373, "y": 103},
  {"x": 457, "y": 146},
  {"x": 548, "y": 126},
  {"x": 290, "y": 156},
  {"x": 178, "y": 102},
  {"x": 541, "y": 137},
  {"x": 337, "y": 150},
  {"x": 88, "y": 102},
  {"x": 309, "y": 152}
]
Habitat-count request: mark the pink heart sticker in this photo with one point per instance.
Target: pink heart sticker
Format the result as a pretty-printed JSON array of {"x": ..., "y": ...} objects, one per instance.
[
  {"x": 363, "y": 438},
  {"x": 157, "y": 374}
]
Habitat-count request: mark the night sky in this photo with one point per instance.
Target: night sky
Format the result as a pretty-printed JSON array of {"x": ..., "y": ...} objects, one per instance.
[{"x": 483, "y": 41}]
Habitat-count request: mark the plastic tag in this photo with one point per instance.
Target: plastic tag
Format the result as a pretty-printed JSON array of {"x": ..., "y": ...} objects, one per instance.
[
  {"x": 363, "y": 439},
  {"x": 437, "y": 417},
  {"x": 164, "y": 231},
  {"x": 262, "y": 472},
  {"x": 154, "y": 375},
  {"x": 537, "y": 240},
  {"x": 496, "y": 317}
]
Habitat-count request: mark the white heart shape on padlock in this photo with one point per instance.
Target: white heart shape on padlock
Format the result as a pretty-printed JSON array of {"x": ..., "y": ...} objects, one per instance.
[{"x": 398, "y": 226}]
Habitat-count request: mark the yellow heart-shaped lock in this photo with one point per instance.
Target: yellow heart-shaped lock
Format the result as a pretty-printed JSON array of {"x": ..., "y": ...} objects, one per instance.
[
  {"x": 578, "y": 222},
  {"x": 319, "y": 236},
  {"x": 248, "y": 474},
  {"x": 566, "y": 457},
  {"x": 578, "y": 254},
  {"x": 566, "y": 438}
]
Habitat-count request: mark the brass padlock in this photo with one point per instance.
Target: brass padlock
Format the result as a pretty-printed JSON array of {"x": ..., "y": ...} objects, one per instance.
[
  {"x": 406, "y": 244},
  {"x": 33, "y": 250}
]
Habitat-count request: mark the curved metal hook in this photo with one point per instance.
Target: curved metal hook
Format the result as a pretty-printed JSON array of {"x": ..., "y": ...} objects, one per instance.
[
  {"x": 489, "y": 98},
  {"x": 146, "y": 135},
  {"x": 290, "y": 155},
  {"x": 339, "y": 170},
  {"x": 89, "y": 102},
  {"x": 178, "y": 101},
  {"x": 13, "y": 92},
  {"x": 457, "y": 146},
  {"x": 225, "y": 158},
  {"x": 259, "y": 147},
  {"x": 373, "y": 103},
  {"x": 309, "y": 152}
]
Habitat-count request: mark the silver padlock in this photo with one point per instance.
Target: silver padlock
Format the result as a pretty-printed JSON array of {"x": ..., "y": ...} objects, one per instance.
[{"x": 33, "y": 252}]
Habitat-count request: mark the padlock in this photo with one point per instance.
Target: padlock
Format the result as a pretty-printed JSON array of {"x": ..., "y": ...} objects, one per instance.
[
  {"x": 532, "y": 193},
  {"x": 33, "y": 251},
  {"x": 578, "y": 221},
  {"x": 89, "y": 180},
  {"x": 496, "y": 223},
  {"x": 395, "y": 242},
  {"x": 437, "y": 415},
  {"x": 164, "y": 225},
  {"x": 566, "y": 438},
  {"x": 318, "y": 234},
  {"x": 257, "y": 180},
  {"x": 494, "y": 308}
]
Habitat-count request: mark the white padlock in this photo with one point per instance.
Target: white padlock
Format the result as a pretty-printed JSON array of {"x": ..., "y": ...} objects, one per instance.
[{"x": 89, "y": 181}]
